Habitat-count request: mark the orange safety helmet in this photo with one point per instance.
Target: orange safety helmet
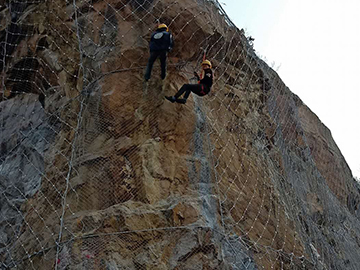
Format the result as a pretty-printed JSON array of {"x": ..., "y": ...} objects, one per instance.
[
  {"x": 163, "y": 25},
  {"x": 206, "y": 62}
]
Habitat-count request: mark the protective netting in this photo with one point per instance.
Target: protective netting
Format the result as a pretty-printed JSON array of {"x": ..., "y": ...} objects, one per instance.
[{"x": 97, "y": 171}]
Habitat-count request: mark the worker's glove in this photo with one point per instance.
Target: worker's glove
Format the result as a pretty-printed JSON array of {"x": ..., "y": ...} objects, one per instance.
[{"x": 196, "y": 75}]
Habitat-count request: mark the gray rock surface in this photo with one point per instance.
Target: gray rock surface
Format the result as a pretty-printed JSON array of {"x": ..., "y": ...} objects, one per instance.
[{"x": 24, "y": 138}]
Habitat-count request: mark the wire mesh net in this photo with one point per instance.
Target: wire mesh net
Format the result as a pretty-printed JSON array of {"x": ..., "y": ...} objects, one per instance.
[{"x": 97, "y": 171}]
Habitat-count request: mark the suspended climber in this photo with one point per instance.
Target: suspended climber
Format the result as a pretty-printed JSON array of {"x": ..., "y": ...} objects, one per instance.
[
  {"x": 202, "y": 88},
  {"x": 161, "y": 43}
]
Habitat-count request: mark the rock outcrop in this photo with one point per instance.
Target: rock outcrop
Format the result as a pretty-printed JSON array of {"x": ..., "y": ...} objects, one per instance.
[{"x": 97, "y": 171}]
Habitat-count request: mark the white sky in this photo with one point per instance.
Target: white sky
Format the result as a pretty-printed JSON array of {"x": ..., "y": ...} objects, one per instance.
[{"x": 317, "y": 44}]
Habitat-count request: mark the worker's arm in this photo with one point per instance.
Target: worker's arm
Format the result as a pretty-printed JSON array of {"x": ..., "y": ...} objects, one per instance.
[{"x": 197, "y": 76}]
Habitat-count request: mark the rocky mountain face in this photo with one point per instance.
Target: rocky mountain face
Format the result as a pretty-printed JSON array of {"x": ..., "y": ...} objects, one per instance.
[{"x": 98, "y": 171}]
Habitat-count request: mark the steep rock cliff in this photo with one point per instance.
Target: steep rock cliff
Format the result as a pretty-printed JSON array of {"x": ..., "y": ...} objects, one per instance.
[{"x": 97, "y": 171}]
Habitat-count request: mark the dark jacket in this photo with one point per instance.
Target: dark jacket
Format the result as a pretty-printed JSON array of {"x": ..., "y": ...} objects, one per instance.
[
  {"x": 208, "y": 78},
  {"x": 161, "y": 40}
]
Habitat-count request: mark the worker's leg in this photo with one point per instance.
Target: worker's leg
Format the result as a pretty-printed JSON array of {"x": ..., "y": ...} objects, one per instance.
[
  {"x": 195, "y": 88},
  {"x": 186, "y": 88},
  {"x": 152, "y": 58},
  {"x": 162, "y": 57}
]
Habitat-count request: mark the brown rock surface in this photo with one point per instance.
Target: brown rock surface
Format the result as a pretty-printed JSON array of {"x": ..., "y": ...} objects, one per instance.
[{"x": 97, "y": 171}]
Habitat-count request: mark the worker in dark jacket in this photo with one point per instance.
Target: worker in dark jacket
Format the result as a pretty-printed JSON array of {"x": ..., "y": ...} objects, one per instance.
[
  {"x": 160, "y": 44},
  {"x": 201, "y": 89}
]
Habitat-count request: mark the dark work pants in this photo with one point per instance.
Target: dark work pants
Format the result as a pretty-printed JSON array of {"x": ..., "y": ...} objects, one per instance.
[
  {"x": 198, "y": 89},
  {"x": 153, "y": 56}
]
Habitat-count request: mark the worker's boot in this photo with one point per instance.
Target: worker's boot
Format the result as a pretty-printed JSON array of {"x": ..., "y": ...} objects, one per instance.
[
  {"x": 181, "y": 100},
  {"x": 171, "y": 99}
]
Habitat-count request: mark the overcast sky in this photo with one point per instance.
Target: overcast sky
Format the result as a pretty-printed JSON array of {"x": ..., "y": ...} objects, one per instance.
[{"x": 316, "y": 43}]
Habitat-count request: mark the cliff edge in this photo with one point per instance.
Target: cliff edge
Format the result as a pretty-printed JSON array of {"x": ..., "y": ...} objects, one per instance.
[{"x": 99, "y": 171}]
